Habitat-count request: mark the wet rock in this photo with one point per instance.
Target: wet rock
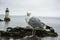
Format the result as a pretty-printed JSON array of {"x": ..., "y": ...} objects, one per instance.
[
  {"x": 1, "y": 20},
  {"x": 27, "y": 32},
  {"x": 6, "y": 19}
]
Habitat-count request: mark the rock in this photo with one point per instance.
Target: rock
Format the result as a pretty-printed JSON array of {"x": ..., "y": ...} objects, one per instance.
[
  {"x": 1, "y": 20},
  {"x": 27, "y": 32},
  {"x": 22, "y": 32},
  {"x": 7, "y": 19},
  {"x": 48, "y": 27},
  {"x": 9, "y": 28},
  {"x": 52, "y": 30}
]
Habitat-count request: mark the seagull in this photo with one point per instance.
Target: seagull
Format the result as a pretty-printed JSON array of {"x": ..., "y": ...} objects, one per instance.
[{"x": 34, "y": 22}]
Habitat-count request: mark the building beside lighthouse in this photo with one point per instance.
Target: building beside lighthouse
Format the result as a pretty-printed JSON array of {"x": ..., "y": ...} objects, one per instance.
[{"x": 7, "y": 16}]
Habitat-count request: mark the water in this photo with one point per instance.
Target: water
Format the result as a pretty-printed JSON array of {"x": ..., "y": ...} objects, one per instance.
[{"x": 20, "y": 21}]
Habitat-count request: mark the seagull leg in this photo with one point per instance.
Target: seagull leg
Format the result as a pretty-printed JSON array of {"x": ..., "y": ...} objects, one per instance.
[{"x": 33, "y": 32}]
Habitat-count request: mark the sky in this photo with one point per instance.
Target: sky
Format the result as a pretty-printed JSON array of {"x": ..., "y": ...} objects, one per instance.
[{"x": 46, "y": 8}]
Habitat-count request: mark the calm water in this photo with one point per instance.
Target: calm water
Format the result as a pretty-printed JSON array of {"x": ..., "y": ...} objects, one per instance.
[{"x": 20, "y": 21}]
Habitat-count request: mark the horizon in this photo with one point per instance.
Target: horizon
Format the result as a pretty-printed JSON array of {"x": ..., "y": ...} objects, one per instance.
[{"x": 32, "y": 16}]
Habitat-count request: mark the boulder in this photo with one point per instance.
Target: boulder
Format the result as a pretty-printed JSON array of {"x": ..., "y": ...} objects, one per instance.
[{"x": 1, "y": 20}]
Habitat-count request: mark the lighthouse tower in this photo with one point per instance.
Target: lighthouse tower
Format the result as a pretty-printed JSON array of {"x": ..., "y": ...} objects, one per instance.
[{"x": 7, "y": 17}]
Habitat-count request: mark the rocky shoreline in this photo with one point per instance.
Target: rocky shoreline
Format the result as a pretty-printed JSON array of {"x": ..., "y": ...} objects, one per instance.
[{"x": 22, "y": 32}]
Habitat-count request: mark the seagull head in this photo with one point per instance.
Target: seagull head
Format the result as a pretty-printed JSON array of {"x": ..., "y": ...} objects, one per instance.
[{"x": 28, "y": 13}]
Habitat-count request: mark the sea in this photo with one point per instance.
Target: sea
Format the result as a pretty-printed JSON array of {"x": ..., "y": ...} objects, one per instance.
[{"x": 19, "y": 21}]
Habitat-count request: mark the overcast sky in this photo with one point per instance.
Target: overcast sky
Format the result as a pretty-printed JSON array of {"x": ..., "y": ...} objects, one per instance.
[{"x": 50, "y": 8}]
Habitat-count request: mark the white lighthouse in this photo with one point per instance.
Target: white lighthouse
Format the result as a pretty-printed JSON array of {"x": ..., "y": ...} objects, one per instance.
[{"x": 7, "y": 16}]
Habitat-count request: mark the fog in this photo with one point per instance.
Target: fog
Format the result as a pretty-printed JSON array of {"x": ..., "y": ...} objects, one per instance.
[{"x": 46, "y": 8}]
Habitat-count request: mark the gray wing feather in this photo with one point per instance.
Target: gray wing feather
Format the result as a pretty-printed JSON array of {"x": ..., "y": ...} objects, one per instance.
[{"x": 35, "y": 22}]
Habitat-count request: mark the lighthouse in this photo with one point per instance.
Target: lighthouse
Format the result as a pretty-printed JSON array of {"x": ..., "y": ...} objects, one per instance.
[{"x": 7, "y": 17}]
